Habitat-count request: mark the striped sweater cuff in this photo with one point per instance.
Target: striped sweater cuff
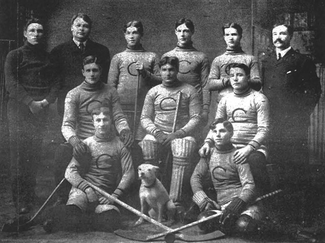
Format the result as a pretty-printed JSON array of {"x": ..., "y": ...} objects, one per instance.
[
  {"x": 118, "y": 192},
  {"x": 83, "y": 186},
  {"x": 255, "y": 145},
  {"x": 199, "y": 197}
]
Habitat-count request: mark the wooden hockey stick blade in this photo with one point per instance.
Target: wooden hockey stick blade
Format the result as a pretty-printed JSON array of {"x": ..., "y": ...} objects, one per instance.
[
  {"x": 141, "y": 236},
  {"x": 217, "y": 214},
  {"x": 194, "y": 238}
]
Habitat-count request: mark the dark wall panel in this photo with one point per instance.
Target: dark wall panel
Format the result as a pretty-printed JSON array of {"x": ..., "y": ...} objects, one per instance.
[{"x": 158, "y": 17}]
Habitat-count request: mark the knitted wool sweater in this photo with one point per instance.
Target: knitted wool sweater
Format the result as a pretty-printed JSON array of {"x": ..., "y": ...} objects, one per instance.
[
  {"x": 29, "y": 75},
  {"x": 229, "y": 179},
  {"x": 218, "y": 76},
  {"x": 249, "y": 115},
  {"x": 79, "y": 103},
  {"x": 124, "y": 77},
  {"x": 194, "y": 70},
  {"x": 110, "y": 166},
  {"x": 160, "y": 105}
]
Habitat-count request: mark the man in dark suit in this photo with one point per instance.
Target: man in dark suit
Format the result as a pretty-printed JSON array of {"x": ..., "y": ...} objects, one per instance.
[
  {"x": 68, "y": 57},
  {"x": 293, "y": 89}
]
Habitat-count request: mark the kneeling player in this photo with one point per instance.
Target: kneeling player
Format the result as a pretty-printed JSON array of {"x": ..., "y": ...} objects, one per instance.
[
  {"x": 233, "y": 184},
  {"x": 109, "y": 167}
]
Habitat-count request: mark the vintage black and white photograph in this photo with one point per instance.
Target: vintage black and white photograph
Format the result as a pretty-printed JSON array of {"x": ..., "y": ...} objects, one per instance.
[{"x": 162, "y": 121}]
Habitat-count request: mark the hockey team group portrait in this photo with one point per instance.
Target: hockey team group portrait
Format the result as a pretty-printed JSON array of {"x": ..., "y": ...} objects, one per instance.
[{"x": 162, "y": 121}]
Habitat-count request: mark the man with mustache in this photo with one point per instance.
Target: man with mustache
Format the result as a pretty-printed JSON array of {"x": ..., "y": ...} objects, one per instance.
[{"x": 293, "y": 89}]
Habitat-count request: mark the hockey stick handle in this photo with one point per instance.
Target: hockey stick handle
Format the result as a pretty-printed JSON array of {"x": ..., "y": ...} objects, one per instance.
[
  {"x": 217, "y": 214},
  {"x": 128, "y": 207}
]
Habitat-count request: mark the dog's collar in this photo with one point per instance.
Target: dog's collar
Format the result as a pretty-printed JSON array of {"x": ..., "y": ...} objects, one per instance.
[{"x": 152, "y": 185}]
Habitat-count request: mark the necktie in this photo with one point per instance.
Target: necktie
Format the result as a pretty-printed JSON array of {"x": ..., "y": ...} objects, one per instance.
[
  {"x": 82, "y": 47},
  {"x": 279, "y": 56}
]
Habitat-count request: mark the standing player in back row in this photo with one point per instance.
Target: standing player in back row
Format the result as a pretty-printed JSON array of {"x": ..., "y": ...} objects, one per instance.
[
  {"x": 194, "y": 65},
  {"x": 219, "y": 79},
  {"x": 129, "y": 67}
]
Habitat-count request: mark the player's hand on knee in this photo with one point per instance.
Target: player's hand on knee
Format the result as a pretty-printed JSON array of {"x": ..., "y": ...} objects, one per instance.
[
  {"x": 91, "y": 195},
  {"x": 204, "y": 151},
  {"x": 241, "y": 155},
  {"x": 105, "y": 200},
  {"x": 209, "y": 204},
  {"x": 170, "y": 137},
  {"x": 160, "y": 136}
]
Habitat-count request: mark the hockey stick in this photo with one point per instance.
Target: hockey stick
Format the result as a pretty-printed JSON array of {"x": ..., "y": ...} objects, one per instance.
[
  {"x": 131, "y": 235},
  {"x": 178, "y": 103},
  {"x": 218, "y": 213},
  {"x": 15, "y": 226},
  {"x": 136, "y": 104}
]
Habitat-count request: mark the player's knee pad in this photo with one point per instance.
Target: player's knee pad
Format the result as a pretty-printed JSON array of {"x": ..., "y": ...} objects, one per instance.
[
  {"x": 183, "y": 148},
  {"x": 149, "y": 150},
  {"x": 246, "y": 224}
]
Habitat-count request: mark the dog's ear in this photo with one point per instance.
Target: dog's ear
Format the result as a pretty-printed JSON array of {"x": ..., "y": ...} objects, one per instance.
[{"x": 156, "y": 170}]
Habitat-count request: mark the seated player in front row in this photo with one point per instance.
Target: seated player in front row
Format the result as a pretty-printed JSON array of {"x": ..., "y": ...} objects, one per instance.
[
  {"x": 248, "y": 111},
  {"x": 77, "y": 123},
  {"x": 110, "y": 168},
  {"x": 233, "y": 184}
]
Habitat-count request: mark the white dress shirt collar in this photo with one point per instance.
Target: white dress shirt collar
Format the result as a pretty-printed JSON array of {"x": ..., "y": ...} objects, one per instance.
[
  {"x": 78, "y": 43},
  {"x": 282, "y": 53}
]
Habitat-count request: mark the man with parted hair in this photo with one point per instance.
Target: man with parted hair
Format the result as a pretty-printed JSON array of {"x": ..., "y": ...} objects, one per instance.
[
  {"x": 194, "y": 65},
  {"x": 68, "y": 57},
  {"x": 30, "y": 83},
  {"x": 157, "y": 118},
  {"x": 129, "y": 67},
  {"x": 233, "y": 184},
  {"x": 248, "y": 110},
  {"x": 77, "y": 122},
  {"x": 218, "y": 77},
  {"x": 291, "y": 84},
  {"x": 109, "y": 167}
]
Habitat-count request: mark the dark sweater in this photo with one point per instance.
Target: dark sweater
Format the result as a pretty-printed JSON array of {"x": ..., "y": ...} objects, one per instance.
[
  {"x": 29, "y": 75},
  {"x": 68, "y": 58}
]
